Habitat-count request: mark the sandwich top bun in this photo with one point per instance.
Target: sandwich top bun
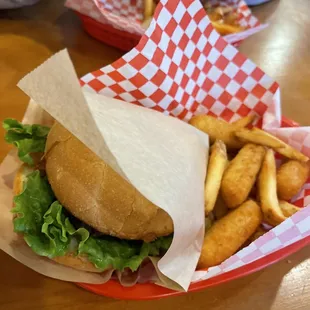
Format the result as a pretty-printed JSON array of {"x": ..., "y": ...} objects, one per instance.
[
  {"x": 70, "y": 260},
  {"x": 93, "y": 192}
]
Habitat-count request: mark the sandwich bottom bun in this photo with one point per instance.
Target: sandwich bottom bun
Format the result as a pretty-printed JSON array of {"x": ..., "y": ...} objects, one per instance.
[{"x": 70, "y": 260}]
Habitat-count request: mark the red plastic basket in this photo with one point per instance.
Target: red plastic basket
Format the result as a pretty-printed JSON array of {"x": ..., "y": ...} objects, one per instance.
[
  {"x": 150, "y": 291},
  {"x": 107, "y": 34}
]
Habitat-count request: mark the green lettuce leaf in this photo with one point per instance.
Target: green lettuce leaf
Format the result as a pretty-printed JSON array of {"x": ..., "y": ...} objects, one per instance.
[
  {"x": 119, "y": 254},
  {"x": 27, "y": 138},
  {"x": 47, "y": 229},
  {"x": 32, "y": 204}
]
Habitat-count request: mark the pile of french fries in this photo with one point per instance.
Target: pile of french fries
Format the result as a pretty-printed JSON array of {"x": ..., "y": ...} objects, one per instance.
[
  {"x": 243, "y": 188},
  {"x": 223, "y": 18}
]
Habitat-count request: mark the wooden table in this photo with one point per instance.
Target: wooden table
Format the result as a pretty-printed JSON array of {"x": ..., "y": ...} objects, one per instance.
[{"x": 28, "y": 36}]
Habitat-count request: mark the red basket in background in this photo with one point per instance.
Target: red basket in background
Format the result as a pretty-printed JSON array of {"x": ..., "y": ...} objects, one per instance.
[
  {"x": 109, "y": 35},
  {"x": 124, "y": 32}
]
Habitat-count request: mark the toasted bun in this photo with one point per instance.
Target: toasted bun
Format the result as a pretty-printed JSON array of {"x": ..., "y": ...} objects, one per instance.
[
  {"x": 98, "y": 196},
  {"x": 78, "y": 262}
]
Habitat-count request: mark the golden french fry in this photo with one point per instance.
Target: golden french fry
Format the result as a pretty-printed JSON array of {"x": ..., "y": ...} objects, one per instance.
[
  {"x": 291, "y": 177},
  {"x": 267, "y": 186},
  {"x": 224, "y": 10},
  {"x": 223, "y": 18},
  {"x": 291, "y": 153},
  {"x": 244, "y": 121},
  {"x": 149, "y": 6},
  {"x": 287, "y": 208},
  {"x": 231, "y": 19},
  {"x": 224, "y": 29},
  {"x": 240, "y": 175},
  {"x": 229, "y": 233},
  {"x": 258, "y": 136},
  {"x": 217, "y": 130},
  {"x": 261, "y": 137},
  {"x": 146, "y": 23},
  {"x": 216, "y": 167},
  {"x": 214, "y": 16}
]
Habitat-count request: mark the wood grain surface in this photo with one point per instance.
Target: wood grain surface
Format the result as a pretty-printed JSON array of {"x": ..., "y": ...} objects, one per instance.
[{"x": 29, "y": 35}]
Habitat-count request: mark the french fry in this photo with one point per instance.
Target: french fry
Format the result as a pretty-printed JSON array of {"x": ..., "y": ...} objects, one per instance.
[
  {"x": 214, "y": 16},
  {"x": 291, "y": 153},
  {"x": 258, "y": 136},
  {"x": 240, "y": 175},
  {"x": 291, "y": 177},
  {"x": 224, "y": 29},
  {"x": 216, "y": 167},
  {"x": 229, "y": 233},
  {"x": 261, "y": 137},
  {"x": 267, "y": 186},
  {"x": 146, "y": 23},
  {"x": 244, "y": 121},
  {"x": 149, "y": 6},
  {"x": 231, "y": 19},
  {"x": 217, "y": 130},
  {"x": 287, "y": 208}
]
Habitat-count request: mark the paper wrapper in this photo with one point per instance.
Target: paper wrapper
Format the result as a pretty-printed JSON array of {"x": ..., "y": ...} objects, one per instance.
[
  {"x": 182, "y": 73},
  {"x": 158, "y": 154},
  {"x": 127, "y": 15}
]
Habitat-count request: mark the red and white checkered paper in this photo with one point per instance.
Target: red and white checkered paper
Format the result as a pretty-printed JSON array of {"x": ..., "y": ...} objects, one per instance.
[
  {"x": 182, "y": 67},
  {"x": 127, "y": 15}
]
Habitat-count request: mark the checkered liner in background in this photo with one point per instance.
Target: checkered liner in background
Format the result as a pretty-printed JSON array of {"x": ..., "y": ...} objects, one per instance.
[
  {"x": 127, "y": 15},
  {"x": 182, "y": 67},
  {"x": 130, "y": 9}
]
